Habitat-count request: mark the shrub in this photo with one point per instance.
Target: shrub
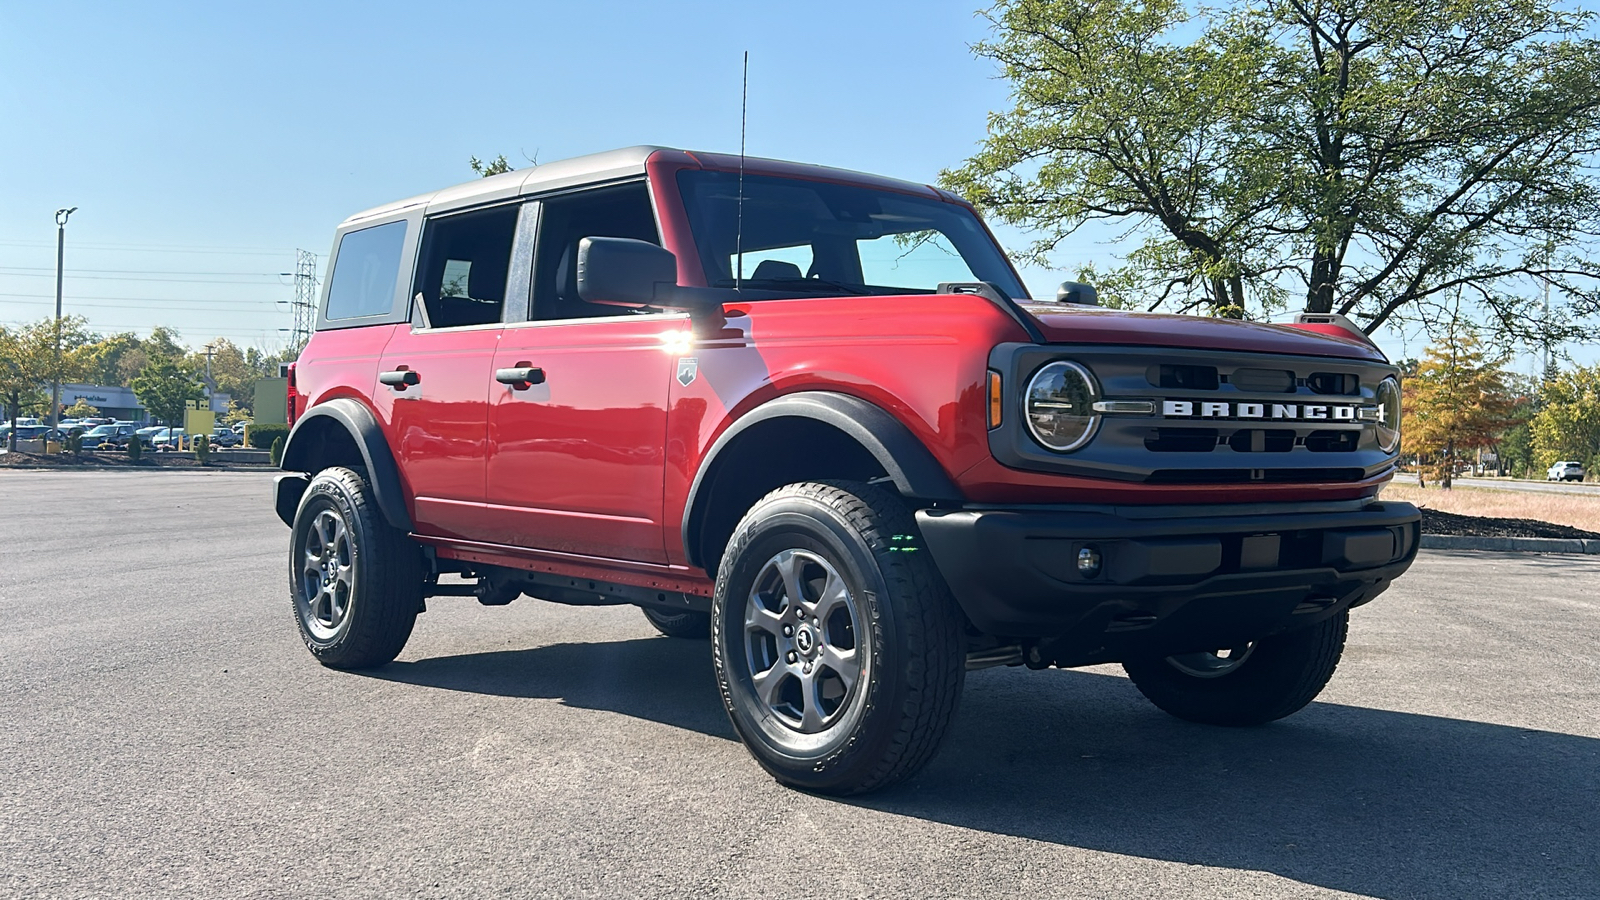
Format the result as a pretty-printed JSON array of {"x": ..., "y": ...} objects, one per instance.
[
  {"x": 202, "y": 449},
  {"x": 263, "y": 436},
  {"x": 276, "y": 453},
  {"x": 74, "y": 444},
  {"x": 135, "y": 448}
]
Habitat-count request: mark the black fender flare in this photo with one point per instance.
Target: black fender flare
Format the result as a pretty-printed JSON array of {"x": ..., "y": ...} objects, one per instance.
[
  {"x": 362, "y": 426},
  {"x": 909, "y": 465}
]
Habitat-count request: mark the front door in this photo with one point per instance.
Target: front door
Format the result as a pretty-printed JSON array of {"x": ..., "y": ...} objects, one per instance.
[{"x": 576, "y": 454}]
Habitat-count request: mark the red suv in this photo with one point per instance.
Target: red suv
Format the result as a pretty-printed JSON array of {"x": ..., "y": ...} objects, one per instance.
[{"x": 814, "y": 415}]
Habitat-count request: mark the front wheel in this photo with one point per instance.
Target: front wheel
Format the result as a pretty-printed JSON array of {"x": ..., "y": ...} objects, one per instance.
[
  {"x": 838, "y": 648},
  {"x": 355, "y": 581},
  {"x": 1251, "y": 684}
]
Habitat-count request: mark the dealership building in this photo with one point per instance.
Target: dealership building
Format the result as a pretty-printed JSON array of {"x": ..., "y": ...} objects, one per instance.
[{"x": 113, "y": 402}]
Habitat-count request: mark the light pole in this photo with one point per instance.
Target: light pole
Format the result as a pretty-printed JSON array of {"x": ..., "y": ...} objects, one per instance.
[{"x": 62, "y": 215}]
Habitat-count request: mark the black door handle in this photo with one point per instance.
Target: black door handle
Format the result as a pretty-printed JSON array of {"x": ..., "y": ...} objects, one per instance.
[
  {"x": 400, "y": 378},
  {"x": 521, "y": 376}
]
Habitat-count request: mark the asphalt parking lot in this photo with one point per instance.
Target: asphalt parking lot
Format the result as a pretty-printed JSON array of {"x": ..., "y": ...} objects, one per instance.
[{"x": 164, "y": 734}]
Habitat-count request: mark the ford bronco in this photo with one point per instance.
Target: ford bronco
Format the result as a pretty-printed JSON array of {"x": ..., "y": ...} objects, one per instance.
[{"x": 814, "y": 416}]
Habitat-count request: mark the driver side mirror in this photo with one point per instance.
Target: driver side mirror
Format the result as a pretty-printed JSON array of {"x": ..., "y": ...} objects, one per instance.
[{"x": 625, "y": 272}]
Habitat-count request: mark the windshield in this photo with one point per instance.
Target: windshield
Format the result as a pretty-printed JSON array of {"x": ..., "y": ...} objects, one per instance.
[
  {"x": 800, "y": 235},
  {"x": 103, "y": 429}
]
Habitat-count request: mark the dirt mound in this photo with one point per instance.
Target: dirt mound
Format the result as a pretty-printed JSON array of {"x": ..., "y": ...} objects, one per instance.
[{"x": 1435, "y": 522}]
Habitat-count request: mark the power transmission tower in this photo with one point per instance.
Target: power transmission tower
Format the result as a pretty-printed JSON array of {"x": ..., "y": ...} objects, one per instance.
[{"x": 305, "y": 299}]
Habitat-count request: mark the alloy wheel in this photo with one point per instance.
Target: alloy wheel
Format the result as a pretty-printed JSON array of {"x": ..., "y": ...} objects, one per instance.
[
  {"x": 327, "y": 575},
  {"x": 801, "y": 639}
]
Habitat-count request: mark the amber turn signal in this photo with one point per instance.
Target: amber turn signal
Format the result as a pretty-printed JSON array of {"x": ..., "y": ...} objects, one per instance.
[{"x": 995, "y": 407}]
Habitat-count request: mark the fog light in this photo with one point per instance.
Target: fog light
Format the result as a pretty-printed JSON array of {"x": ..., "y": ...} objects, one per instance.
[{"x": 1089, "y": 562}]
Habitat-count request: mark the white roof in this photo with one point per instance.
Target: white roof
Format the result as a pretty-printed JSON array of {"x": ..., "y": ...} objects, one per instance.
[{"x": 545, "y": 176}]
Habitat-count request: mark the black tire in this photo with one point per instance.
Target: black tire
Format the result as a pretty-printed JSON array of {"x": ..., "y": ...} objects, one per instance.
[
  {"x": 1276, "y": 677},
  {"x": 684, "y": 623},
  {"x": 859, "y": 545},
  {"x": 376, "y": 570}
]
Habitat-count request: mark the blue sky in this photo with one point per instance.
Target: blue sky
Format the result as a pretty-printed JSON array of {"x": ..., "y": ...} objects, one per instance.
[{"x": 204, "y": 143}]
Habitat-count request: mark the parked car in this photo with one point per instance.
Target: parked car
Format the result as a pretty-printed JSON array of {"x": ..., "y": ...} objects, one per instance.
[
  {"x": 223, "y": 436},
  {"x": 146, "y": 436},
  {"x": 1565, "y": 471},
  {"x": 167, "y": 438},
  {"x": 239, "y": 427},
  {"x": 814, "y": 416},
  {"x": 112, "y": 435},
  {"x": 24, "y": 432}
]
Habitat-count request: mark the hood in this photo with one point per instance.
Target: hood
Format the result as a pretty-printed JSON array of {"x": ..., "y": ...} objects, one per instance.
[{"x": 1094, "y": 325}]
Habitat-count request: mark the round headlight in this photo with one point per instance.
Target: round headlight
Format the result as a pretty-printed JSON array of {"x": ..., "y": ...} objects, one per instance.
[
  {"x": 1059, "y": 406},
  {"x": 1388, "y": 397}
]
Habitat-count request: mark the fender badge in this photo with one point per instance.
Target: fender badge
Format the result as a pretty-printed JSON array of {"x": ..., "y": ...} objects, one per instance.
[{"x": 688, "y": 368}]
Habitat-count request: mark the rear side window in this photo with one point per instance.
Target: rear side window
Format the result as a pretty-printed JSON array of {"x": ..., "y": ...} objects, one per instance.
[
  {"x": 465, "y": 260},
  {"x": 365, "y": 271}
]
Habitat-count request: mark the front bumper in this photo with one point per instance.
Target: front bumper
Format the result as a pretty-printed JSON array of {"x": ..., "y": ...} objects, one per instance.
[{"x": 1171, "y": 580}]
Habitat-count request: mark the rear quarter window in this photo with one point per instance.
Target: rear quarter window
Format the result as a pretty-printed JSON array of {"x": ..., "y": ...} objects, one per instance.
[{"x": 365, "y": 272}]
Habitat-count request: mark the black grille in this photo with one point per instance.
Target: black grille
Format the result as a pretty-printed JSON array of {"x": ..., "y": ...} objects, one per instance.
[
  {"x": 1192, "y": 378},
  {"x": 1344, "y": 384},
  {"x": 1332, "y": 441},
  {"x": 1258, "y": 440},
  {"x": 1263, "y": 381},
  {"x": 1181, "y": 440}
]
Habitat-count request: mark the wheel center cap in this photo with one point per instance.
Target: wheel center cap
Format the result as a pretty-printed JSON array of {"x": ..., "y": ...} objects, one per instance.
[{"x": 804, "y": 640}]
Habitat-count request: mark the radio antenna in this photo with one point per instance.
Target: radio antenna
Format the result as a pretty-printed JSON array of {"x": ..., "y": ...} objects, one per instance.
[{"x": 738, "y": 233}]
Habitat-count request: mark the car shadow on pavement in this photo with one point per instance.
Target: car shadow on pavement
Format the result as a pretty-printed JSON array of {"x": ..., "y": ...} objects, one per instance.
[{"x": 1379, "y": 803}]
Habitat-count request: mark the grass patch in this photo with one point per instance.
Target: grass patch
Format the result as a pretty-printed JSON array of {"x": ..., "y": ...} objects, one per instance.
[{"x": 1576, "y": 510}]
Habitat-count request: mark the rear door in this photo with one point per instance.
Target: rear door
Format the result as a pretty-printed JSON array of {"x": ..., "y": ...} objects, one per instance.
[
  {"x": 577, "y": 452},
  {"x": 435, "y": 373}
]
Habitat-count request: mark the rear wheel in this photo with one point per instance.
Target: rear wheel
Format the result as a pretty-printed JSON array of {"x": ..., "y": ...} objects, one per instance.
[
  {"x": 1250, "y": 684},
  {"x": 684, "y": 623},
  {"x": 838, "y": 648},
  {"x": 355, "y": 581}
]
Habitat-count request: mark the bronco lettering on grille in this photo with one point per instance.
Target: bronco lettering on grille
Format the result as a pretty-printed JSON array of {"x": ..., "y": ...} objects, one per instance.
[{"x": 1294, "y": 412}]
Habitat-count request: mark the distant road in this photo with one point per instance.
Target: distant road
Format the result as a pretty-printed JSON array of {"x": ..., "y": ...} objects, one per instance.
[{"x": 1586, "y": 488}]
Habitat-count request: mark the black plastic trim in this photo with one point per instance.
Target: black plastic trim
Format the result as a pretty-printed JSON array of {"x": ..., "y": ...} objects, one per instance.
[
  {"x": 286, "y": 493},
  {"x": 359, "y": 422},
  {"x": 912, "y": 469},
  {"x": 1014, "y": 570}
]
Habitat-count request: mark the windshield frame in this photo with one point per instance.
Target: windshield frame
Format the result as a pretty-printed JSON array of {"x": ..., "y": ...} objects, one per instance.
[{"x": 974, "y": 245}]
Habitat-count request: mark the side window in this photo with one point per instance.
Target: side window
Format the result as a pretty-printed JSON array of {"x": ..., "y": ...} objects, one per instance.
[
  {"x": 364, "y": 272},
  {"x": 462, "y": 269},
  {"x": 622, "y": 211}
]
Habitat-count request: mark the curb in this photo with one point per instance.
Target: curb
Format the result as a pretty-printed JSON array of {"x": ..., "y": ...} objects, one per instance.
[{"x": 1525, "y": 545}]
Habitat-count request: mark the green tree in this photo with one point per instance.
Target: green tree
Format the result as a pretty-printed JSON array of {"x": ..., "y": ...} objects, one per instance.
[
  {"x": 165, "y": 387},
  {"x": 114, "y": 359},
  {"x": 1367, "y": 157},
  {"x": 81, "y": 410},
  {"x": 28, "y": 361},
  {"x": 23, "y": 358},
  {"x": 1457, "y": 402},
  {"x": 1568, "y": 425},
  {"x": 496, "y": 166}
]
